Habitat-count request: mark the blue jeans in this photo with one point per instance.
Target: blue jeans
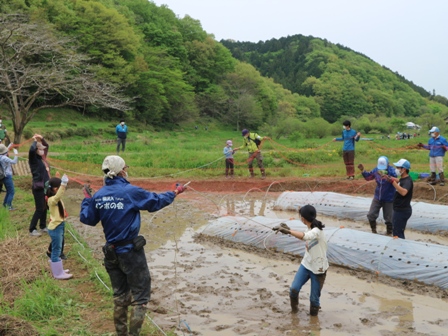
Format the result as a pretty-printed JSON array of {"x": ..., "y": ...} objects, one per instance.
[
  {"x": 301, "y": 278},
  {"x": 57, "y": 237},
  {"x": 399, "y": 221},
  {"x": 9, "y": 185}
]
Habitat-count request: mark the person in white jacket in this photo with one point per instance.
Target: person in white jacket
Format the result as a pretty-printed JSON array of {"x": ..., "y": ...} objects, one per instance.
[{"x": 314, "y": 263}]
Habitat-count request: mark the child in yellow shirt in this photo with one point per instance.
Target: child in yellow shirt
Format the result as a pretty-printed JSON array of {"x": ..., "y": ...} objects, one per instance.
[{"x": 56, "y": 227}]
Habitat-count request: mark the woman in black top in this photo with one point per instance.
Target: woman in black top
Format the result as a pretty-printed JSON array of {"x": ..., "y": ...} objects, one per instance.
[
  {"x": 402, "y": 199},
  {"x": 40, "y": 171}
]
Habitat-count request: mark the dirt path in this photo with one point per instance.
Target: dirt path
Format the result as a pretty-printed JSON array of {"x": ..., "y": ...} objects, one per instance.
[{"x": 202, "y": 286}]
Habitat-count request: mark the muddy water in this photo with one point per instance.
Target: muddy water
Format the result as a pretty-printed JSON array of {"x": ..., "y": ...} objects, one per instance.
[{"x": 202, "y": 287}]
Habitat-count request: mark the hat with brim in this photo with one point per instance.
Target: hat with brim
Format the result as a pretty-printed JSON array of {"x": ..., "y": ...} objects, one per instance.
[{"x": 3, "y": 149}]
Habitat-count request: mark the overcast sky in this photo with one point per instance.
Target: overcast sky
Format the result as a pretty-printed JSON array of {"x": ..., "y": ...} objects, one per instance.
[{"x": 407, "y": 36}]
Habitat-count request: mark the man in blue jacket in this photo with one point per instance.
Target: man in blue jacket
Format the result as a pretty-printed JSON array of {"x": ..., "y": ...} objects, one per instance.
[
  {"x": 117, "y": 205},
  {"x": 384, "y": 193},
  {"x": 122, "y": 132},
  {"x": 349, "y": 136},
  {"x": 437, "y": 146}
]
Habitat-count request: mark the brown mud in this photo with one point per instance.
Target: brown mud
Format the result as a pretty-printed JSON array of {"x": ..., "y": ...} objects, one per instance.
[{"x": 205, "y": 286}]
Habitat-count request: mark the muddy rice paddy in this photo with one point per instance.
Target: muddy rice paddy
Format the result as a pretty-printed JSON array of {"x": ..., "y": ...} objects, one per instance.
[{"x": 204, "y": 286}]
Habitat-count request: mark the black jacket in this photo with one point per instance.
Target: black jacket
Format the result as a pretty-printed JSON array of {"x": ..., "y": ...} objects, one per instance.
[{"x": 37, "y": 166}]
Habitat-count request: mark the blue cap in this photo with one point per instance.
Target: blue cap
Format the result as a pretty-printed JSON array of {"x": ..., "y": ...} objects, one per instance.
[
  {"x": 244, "y": 132},
  {"x": 403, "y": 163},
  {"x": 383, "y": 162}
]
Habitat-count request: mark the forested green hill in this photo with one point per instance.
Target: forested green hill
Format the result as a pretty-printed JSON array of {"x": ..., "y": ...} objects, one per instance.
[
  {"x": 341, "y": 80},
  {"x": 134, "y": 59}
]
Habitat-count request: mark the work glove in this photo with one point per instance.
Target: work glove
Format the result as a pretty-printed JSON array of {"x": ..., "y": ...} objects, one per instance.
[
  {"x": 391, "y": 179},
  {"x": 87, "y": 191},
  {"x": 15, "y": 151},
  {"x": 420, "y": 145},
  {"x": 181, "y": 188},
  {"x": 361, "y": 167},
  {"x": 283, "y": 228},
  {"x": 64, "y": 180}
]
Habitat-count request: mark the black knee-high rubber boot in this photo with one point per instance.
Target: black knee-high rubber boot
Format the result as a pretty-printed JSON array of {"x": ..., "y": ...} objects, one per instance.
[
  {"x": 314, "y": 310},
  {"x": 121, "y": 320},
  {"x": 137, "y": 318},
  {"x": 294, "y": 304},
  {"x": 373, "y": 226}
]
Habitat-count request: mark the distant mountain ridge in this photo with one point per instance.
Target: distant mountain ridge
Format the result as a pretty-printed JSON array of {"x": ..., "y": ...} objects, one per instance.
[{"x": 343, "y": 81}]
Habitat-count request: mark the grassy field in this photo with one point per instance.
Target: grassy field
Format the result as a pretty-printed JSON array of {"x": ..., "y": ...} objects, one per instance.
[
  {"x": 32, "y": 303},
  {"x": 79, "y": 145}
]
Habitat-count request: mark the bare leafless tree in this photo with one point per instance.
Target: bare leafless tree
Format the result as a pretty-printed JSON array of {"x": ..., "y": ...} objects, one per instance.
[{"x": 39, "y": 69}]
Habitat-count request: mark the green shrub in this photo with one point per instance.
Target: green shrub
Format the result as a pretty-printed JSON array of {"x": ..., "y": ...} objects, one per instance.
[
  {"x": 85, "y": 131},
  {"x": 28, "y": 133}
]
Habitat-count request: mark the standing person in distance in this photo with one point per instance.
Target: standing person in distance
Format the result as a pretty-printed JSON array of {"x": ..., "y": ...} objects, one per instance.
[
  {"x": 56, "y": 227},
  {"x": 122, "y": 132},
  {"x": 8, "y": 182},
  {"x": 384, "y": 193},
  {"x": 3, "y": 133},
  {"x": 117, "y": 205},
  {"x": 40, "y": 171},
  {"x": 251, "y": 142},
  {"x": 349, "y": 136},
  {"x": 437, "y": 146},
  {"x": 228, "y": 153},
  {"x": 314, "y": 263},
  {"x": 403, "y": 195}
]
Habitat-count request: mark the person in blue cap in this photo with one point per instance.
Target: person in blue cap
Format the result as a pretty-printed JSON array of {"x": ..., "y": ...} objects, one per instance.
[
  {"x": 404, "y": 188},
  {"x": 384, "y": 193},
  {"x": 437, "y": 146}
]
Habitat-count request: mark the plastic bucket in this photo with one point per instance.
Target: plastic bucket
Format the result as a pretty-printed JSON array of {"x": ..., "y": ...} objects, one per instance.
[{"x": 414, "y": 176}]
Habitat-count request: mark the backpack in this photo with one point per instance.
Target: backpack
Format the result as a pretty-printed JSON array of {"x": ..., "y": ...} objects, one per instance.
[
  {"x": 2, "y": 172},
  {"x": 256, "y": 140}
]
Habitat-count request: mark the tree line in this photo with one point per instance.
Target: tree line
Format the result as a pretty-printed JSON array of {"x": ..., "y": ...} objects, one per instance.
[
  {"x": 342, "y": 81},
  {"x": 133, "y": 59}
]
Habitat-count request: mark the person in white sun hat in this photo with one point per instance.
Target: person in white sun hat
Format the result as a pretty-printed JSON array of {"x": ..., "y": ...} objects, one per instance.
[
  {"x": 117, "y": 206},
  {"x": 437, "y": 146},
  {"x": 6, "y": 164},
  {"x": 228, "y": 153}
]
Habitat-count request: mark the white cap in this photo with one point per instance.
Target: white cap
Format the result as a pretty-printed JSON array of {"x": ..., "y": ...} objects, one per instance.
[
  {"x": 383, "y": 162},
  {"x": 113, "y": 164},
  {"x": 229, "y": 142},
  {"x": 403, "y": 163}
]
